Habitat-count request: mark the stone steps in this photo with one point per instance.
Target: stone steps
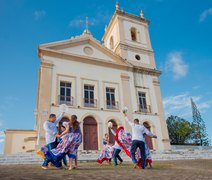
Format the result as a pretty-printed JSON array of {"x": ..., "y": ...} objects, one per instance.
[{"x": 32, "y": 158}]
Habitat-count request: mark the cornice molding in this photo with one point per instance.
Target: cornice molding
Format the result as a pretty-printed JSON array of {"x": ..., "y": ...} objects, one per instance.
[
  {"x": 134, "y": 48},
  {"x": 84, "y": 59},
  {"x": 46, "y": 65},
  {"x": 156, "y": 82},
  {"x": 90, "y": 60},
  {"x": 147, "y": 71},
  {"x": 131, "y": 16},
  {"x": 125, "y": 77},
  {"x": 19, "y": 131}
]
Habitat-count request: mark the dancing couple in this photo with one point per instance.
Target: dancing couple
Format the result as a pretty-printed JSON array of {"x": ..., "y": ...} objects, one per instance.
[
  {"x": 60, "y": 145},
  {"x": 133, "y": 145},
  {"x": 138, "y": 147}
]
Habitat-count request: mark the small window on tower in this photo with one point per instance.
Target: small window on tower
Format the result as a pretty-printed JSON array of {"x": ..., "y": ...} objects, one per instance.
[
  {"x": 133, "y": 34},
  {"x": 137, "y": 57},
  {"x": 111, "y": 42}
]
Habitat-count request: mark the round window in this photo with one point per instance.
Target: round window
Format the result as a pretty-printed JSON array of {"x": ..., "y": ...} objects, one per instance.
[
  {"x": 137, "y": 57},
  {"x": 88, "y": 50}
]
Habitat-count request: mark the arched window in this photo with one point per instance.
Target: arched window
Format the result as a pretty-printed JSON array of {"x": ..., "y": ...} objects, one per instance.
[
  {"x": 111, "y": 42},
  {"x": 133, "y": 34}
]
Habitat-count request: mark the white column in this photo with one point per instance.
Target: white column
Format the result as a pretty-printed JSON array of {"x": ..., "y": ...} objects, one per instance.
[{"x": 79, "y": 91}]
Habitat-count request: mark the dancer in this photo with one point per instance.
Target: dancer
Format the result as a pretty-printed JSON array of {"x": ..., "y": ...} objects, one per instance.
[
  {"x": 138, "y": 140},
  {"x": 148, "y": 156},
  {"x": 106, "y": 152},
  {"x": 72, "y": 128},
  {"x": 106, "y": 139},
  {"x": 62, "y": 129},
  {"x": 75, "y": 127},
  {"x": 106, "y": 142},
  {"x": 76, "y": 148},
  {"x": 124, "y": 140},
  {"x": 67, "y": 146},
  {"x": 117, "y": 149},
  {"x": 50, "y": 127}
]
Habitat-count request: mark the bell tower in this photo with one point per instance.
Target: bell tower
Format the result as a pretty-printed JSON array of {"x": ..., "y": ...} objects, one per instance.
[{"x": 128, "y": 36}]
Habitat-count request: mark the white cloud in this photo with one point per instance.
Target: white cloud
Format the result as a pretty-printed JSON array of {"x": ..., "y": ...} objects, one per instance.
[
  {"x": 196, "y": 87},
  {"x": 2, "y": 136},
  {"x": 205, "y": 14},
  {"x": 39, "y": 14},
  {"x": 180, "y": 105},
  {"x": 102, "y": 16},
  {"x": 176, "y": 65},
  {"x": 1, "y": 119},
  {"x": 75, "y": 23}
]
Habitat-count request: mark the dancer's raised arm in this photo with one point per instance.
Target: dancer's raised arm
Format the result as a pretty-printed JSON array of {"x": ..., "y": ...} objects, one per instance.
[
  {"x": 130, "y": 122},
  {"x": 59, "y": 118}
]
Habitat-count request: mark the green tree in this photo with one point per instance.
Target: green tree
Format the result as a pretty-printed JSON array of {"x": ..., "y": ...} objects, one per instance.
[
  {"x": 199, "y": 135},
  {"x": 180, "y": 130}
]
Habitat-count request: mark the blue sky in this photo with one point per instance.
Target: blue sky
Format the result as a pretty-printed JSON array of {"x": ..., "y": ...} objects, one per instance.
[{"x": 180, "y": 33}]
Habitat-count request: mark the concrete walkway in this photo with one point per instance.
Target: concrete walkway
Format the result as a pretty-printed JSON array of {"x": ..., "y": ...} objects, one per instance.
[{"x": 162, "y": 170}]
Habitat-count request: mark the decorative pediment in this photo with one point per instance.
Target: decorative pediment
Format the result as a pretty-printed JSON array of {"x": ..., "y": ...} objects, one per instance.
[{"x": 84, "y": 46}]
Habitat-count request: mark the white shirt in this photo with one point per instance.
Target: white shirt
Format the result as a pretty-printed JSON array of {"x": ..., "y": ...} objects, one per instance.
[
  {"x": 51, "y": 129},
  {"x": 138, "y": 131},
  {"x": 116, "y": 145}
]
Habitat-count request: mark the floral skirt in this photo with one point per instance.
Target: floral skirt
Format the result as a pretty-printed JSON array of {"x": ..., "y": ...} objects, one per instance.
[
  {"x": 105, "y": 154},
  {"x": 68, "y": 145},
  {"x": 124, "y": 139}
]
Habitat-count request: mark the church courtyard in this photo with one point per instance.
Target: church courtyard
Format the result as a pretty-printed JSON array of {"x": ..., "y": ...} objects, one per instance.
[{"x": 187, "y": 169}]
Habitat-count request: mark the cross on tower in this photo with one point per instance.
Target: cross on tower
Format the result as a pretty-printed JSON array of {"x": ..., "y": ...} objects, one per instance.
[
  {"x": 86, "y": 24},
  {"x": 117, "y": 5}
]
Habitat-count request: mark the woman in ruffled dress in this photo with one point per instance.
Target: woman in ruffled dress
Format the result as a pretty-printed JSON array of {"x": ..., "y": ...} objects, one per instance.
[
  {"x": 106, "y": 153},
  {"x": 70, "y": 141}
]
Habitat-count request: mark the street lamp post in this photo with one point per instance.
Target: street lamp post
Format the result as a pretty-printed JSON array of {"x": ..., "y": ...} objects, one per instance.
[{"x": 38, "y": 127}]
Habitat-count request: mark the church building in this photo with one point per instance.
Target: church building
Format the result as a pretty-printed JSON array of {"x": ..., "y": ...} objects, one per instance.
[{"x": 97, "y": 80}]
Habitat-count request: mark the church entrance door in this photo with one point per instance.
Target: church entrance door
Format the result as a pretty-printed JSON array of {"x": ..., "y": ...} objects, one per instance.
[{"x": 90, "y": 135}]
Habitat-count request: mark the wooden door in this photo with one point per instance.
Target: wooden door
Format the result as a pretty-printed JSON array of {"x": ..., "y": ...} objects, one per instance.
[
  {"x": 90, "y": 135},
  {"x": 111, "y": 136},
  {"x": 147, "y": 138}
]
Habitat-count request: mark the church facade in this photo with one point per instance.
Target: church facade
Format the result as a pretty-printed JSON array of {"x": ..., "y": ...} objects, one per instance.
[{"x": 97, "y": 80}]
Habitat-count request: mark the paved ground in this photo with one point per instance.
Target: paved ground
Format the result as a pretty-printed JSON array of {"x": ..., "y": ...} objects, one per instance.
[{"x": 162, "y": 170}]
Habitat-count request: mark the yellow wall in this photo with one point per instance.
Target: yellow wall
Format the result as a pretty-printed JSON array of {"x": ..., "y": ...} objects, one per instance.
[{"x": 19, "y": 141}]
